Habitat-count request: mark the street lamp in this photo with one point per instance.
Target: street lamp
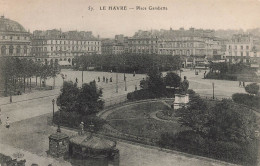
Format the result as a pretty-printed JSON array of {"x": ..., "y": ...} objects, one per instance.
[
  {"x": 213, "y": 85},
  {"x": 53, "y": 102}
]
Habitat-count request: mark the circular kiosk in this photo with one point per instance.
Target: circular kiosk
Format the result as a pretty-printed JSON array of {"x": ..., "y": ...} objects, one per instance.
[{"x": 91, "y": 146}]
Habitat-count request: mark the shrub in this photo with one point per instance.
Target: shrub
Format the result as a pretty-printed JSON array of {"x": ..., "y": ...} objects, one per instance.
[
  {"x": 73, "y": 119},
  {"x": 190, "y": 142},
  {"x": 141, "y": 95},
  {"x": 246, "y": 99},
  {"x": 252, "y": 88},
  {"x": 219, "y": 76}
]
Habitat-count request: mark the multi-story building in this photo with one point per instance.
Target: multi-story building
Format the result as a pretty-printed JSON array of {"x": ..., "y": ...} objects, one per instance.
[
  {"x": 243, "y": 48},
  {"x": 240, "y": 48},
  {"x": 143, "y": 42},
  {"x": 14, "y": 39},
  {"x": 196, "y": 43},
  {"x": 114, "y": 46},
  {"x": 60, "y": 46}
]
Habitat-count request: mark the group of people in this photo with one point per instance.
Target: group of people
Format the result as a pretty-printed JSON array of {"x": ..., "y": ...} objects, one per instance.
[
  {"x": 242, "y": 84},
  {"x": 105, "y": 79},
  {"x": 7, "y": 121}
]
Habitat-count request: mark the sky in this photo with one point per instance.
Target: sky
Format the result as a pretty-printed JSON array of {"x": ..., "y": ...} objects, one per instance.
[{"x": 74, "y": 15}]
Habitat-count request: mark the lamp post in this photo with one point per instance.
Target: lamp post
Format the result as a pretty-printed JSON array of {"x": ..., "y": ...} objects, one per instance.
[
  {"x": 213, "y": 90},
  {"x": 53, "y": 102}
]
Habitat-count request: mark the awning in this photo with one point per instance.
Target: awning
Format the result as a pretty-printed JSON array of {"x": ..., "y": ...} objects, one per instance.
[{"x": 64, "y": 63}]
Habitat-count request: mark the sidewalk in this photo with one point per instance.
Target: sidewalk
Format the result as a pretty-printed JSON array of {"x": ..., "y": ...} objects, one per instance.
[
  {"x": 32, "y": 158},
  {"x": 29, "y": 96}
]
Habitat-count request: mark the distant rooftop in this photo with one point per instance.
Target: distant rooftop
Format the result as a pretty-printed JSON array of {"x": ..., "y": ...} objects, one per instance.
[{"x": 58, "y": 34}]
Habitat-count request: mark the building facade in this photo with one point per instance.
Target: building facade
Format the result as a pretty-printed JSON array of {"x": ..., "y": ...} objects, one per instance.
[
  {"x": 112, "y": 48},
  {"x": 240, "y": 48},
  {"x": 54, "y": 45},
  {"x": 14, "y": 39}
]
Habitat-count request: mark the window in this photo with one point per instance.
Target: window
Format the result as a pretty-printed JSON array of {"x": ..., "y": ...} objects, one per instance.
[
  {"x": 18, "y": 50},
  {"x": 241, "y": 47},
  {"x": 241, "y": 53},
  {"x": 11, "y": 50},
  {"x": 3, "y": 37},
  {"x": 247, "y": 53},
  {"x": 51, "y": 48},
  {"x": 247, "y": 47},
  {"x": 235, "y": 47},
  {"x": 3, "y": 50},
  {"x": 18, "y": 38}
]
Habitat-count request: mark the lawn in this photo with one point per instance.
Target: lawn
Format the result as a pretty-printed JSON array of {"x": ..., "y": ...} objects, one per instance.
[{"x": 137, "y": 120}]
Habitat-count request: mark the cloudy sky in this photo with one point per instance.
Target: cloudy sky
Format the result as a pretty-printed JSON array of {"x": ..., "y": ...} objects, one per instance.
[{"x": 74, "y": 15}]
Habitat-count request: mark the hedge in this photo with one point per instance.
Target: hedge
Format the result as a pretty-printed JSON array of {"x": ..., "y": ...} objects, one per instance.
[
  {"x": 73, "y": 119},
  {"x": 247, "y": 99},
  {"x": 192, "y": 143},
  {"x": 218, "y": 76}
]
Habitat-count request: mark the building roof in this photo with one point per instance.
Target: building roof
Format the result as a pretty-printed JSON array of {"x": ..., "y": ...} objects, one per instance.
[
  {"x": 93, "y": 142},
  {"x": 58, "y": 136},
  {"x": 7, "y": 25},
  {"x": 59, "y": 35}
]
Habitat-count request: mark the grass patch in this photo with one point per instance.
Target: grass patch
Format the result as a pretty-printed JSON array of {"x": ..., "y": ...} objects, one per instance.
[{"x": 136, "y": 120}]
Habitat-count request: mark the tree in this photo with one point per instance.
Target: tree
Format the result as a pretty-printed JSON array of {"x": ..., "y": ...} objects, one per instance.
[
  {"x": 144, "y": 84},
  {"x": 223, "y": 121},
  {"x": 85, "y": 101},
  {"x": 172, "y": 80},
  {"x": 252, "y": 89},
  {"x": 90, "y": 99},
  {"x": 155, "y": 81},
  {"x": 232, "y": 123},
  {"x": 67, "y": 100},
  {"x": 196, "y": 116}
]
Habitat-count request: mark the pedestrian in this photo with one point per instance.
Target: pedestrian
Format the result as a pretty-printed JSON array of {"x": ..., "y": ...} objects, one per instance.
[
  {"x": 111, "y": 79},
  {"x": 244, "y": 84},
  {"x": 103, "y": 78},
  {"x": 76, "y": 80},
  {"x": 106, "y": 80},
  {"x": 134, "y": 74},
  {"x": 11, "y": 99},
  {"x": 7, "y": 123},
  {"x": 135, "y": 88},
  {"x": 81, "y": 126},
  {"x": 98, "y": 79}
]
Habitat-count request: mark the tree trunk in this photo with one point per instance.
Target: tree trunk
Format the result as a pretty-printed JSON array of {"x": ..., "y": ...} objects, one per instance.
[
  {"x": 40, "y": 82},
  {"x": 30, "y": 83},
  {"x": 36, "y": 80},
  {"x": 5, "y": 86},
  {"x": 24, "y": 84}
]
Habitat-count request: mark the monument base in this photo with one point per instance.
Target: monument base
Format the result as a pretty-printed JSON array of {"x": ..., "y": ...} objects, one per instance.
[{"x": 180, "y": 101}]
